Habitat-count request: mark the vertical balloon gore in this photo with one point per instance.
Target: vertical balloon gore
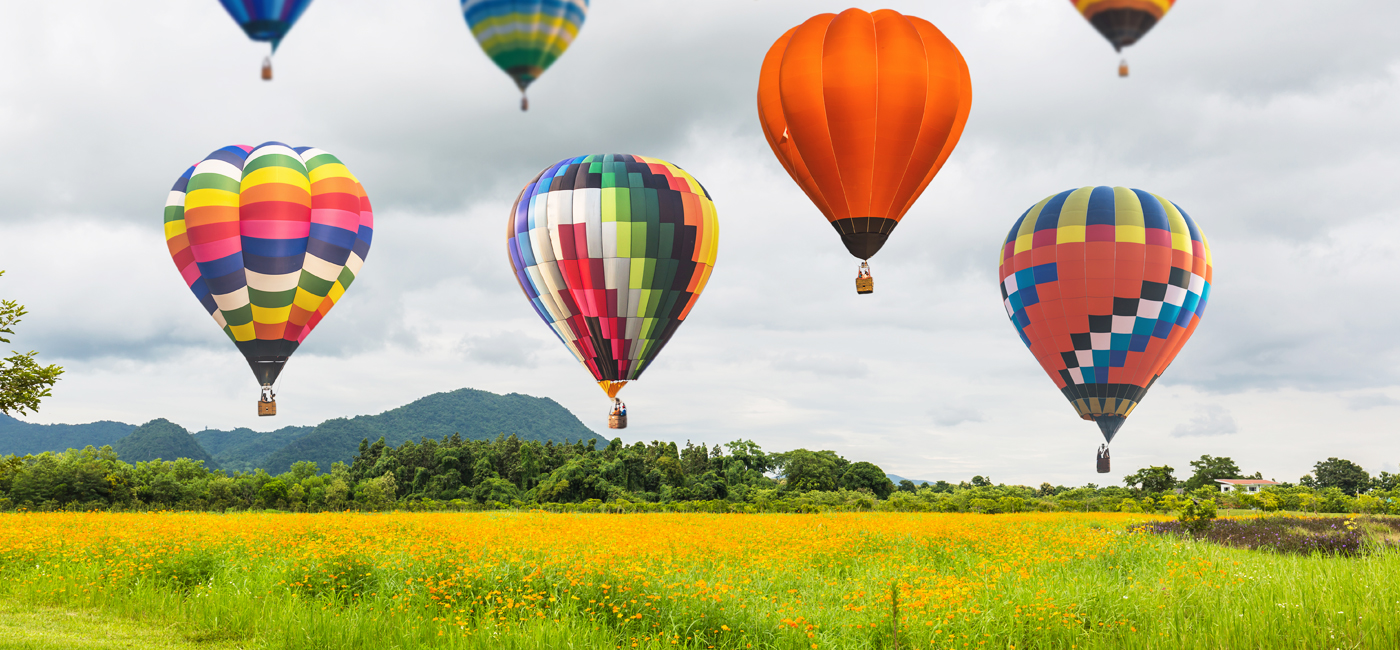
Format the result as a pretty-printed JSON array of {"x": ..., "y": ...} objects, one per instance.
[
  {"x": 1109, "y": 425},
  {"x": 266, "y": 358},
  {"x": 866, "y": 243},
  {"x": 612, "y": 388}
]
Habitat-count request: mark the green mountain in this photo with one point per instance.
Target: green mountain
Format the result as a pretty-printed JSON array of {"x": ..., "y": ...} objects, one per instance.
[
  {"x": 161, "y": 439},
  {"x": 244, "y": 449},
  {"x": 19, "y": 437},
  {"x": 474, "y": 414}
]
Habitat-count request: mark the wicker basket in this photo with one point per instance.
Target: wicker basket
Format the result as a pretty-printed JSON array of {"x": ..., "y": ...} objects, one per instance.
[
  {"x": 1103, "y": 462},
  {"x": 267, "y": 408},
  {"x": 617, "y": 421},
  {"x": 865, "y": 285}
]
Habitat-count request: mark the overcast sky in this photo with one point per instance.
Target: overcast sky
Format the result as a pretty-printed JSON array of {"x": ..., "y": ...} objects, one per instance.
[{"x": 1272, "y": 123}]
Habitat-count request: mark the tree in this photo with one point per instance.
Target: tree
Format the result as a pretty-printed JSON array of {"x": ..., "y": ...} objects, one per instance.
[
  {"x": 273, "y": 491},
  {"x": 907, "y": 485},
  {"x": 869, "y": 476},
  {"x": 1210, "y": 468},
  {"x": 23, "y": 382},
  {"x": 1342, "y": 474},
  {"x": 811, "y": 470},
  {"x": 1154, "y": 478}
]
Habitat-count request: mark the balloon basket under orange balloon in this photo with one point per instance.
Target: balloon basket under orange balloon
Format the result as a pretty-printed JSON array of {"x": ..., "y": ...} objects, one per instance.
[
  {"x": 267, "y": 408},
  {"x": 865, "y": 283},
  {"x": 617, "y": 421}
]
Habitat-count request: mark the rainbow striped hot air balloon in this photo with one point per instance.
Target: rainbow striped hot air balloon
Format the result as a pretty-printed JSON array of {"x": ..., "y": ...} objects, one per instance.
[
  {"x": 613, "y": 251},
  {"x": 268, "y": 238},
  {"x": 525, "y": 37}
]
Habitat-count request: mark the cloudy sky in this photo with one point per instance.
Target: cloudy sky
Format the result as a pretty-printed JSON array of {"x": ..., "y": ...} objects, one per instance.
[{"x": 1272, "y": 123}]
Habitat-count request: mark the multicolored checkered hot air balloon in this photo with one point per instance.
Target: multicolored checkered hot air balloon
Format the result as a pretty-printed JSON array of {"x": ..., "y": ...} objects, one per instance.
[
  {"x": 1104, "y": 285},
  {"x": 613, "y": 251},
  {"x": 1123, "y": 22},
  {"x": 524, "y": 37},
  {"x": 266, "y": 21},
  {"x": 268, "y": 238},
  {"x": 863, "y": 109}
]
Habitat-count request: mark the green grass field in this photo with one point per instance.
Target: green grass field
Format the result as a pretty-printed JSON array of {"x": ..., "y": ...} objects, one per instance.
[{"x": 532, "y": 580}]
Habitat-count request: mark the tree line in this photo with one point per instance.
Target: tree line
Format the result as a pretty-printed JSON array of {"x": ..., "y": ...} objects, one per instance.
[{"x": 457, "y": 474}]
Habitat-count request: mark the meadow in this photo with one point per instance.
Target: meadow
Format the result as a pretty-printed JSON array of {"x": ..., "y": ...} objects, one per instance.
[{"x": 663, "y": 580}]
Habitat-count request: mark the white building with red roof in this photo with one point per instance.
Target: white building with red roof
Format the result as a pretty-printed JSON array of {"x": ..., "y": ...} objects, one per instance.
[{"x": 1250, "y": 485}]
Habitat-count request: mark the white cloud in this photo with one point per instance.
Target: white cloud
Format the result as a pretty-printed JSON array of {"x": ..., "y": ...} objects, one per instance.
[
  {"x": 1210, "y": 420},
  {"x": 503, "y": 349},
  {"x": 951, "y": 416}
]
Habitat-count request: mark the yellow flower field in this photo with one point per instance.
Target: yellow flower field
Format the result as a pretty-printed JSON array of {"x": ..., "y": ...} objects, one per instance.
[{"x": 694, "y": 580}]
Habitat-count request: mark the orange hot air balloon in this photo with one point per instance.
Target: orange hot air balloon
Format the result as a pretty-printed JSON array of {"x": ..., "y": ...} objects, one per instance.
[{"x": 863, "y": 109}]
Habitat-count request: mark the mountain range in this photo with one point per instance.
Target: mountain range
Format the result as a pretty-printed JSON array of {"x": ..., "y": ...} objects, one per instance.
[{"x": 473, "y": 414}]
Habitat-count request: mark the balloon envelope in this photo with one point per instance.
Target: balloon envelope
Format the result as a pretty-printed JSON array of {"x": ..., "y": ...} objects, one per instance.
[
  {"x": 862, "y": 109},
  {"x": 1123, "y": 22},
  {"x": 266, "y": 21},
  {"x": 268, "y": 238},
  {"x": 524, "y": 37},
  {"x": 613, "y": 251},
  {"x": 1105, "y": 285}
]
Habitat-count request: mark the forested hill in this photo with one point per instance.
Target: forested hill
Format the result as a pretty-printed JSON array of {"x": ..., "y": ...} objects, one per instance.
[
  {"x": 161, "y": 439},
  {"x": 474, "y": 414},
  {"x": 243, "y": 449},
  {"x": 20, "y": 438}
]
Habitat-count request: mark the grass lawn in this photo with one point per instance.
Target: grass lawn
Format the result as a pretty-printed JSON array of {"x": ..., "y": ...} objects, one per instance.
[
  {"x": 29, "y": 627},
  {"x": 526, "y": 580}
]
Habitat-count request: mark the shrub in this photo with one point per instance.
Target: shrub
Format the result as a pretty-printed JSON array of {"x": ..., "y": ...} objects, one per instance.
[{"x": 1196, "y": 516}]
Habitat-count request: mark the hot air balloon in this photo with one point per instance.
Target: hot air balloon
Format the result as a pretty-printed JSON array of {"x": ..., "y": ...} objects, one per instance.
[
  {"x": 862, "y": 109},
  {"x": 1104, "y": 285},
  {"x": 1123, "y": 22},
  {"x": 268, "y": 238},
  {"x": 266, "y": 21},
  {"x": 613, "y": 251},
  {"x": 524, "y": 37}
]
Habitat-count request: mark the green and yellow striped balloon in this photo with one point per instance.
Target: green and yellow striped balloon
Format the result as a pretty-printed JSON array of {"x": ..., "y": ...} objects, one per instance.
[{"x": 525, "y": 37}]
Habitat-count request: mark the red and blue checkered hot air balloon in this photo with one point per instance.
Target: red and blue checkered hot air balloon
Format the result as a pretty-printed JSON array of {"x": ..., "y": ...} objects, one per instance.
[
  {"x": 1105, "y": 285},
  {"x": 612, "y": 251},
  {"x": 268, "y": 238},
  {"x": 266, "y": 21}
]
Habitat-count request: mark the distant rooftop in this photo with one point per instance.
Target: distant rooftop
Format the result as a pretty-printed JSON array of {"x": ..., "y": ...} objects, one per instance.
[{"x": 1245, "y": 481}]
